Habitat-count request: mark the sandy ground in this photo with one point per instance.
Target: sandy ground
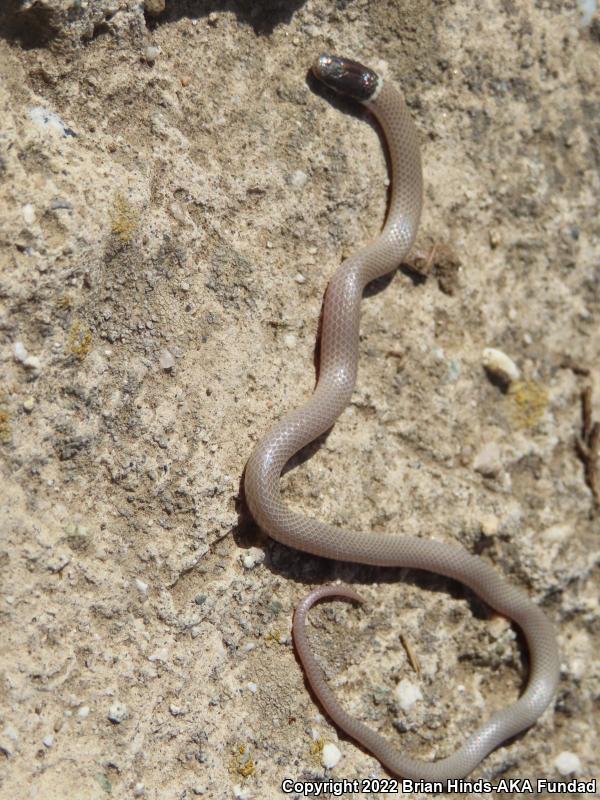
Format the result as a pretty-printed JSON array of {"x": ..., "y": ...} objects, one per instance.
[{"x": 174, "y": 196}]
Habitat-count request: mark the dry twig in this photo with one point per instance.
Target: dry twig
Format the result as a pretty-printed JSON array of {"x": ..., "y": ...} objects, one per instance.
[{"x": 588, "y": 444}]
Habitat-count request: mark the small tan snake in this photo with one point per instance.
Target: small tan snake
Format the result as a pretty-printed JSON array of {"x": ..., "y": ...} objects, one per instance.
[{"x": 337, "y": 376}]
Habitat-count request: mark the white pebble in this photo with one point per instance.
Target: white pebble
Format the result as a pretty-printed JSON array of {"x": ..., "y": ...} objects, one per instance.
[
  {"x": 587, "y": 9},
  {"x": 139, "y": 790},
  {"x": 330, "y": 755},
  {"x": 166, "y": 360},
  {"x": 83, "y": 712},
  {"x": 177, "y": 211},
  {"x": 49, "y": 121},
  {"x": 160, "y": 655},
  {"x": 29, "y": 404},
  {"x": 118, "y": 713},
  {"x": 298, "y": 179},
  {"x": 141, "y": 586},
  {"x": 33, "y": 363},
  {"x": 8, "y": 740},
  {"x": 11, "y": 733},
  {"x": 488, "y": 460},
  {"x": 28, "y": 212},
  {"x": 21, "y": 355},
  {"x": 489, "y": 524},
  {"x": 19, "y": 351},
  {"x": 312, "y": 30},
  {"x": 252, "y": 687},
  {"x": 558, "y": 533},
  {"x": 151, "y": 54},
  {"x": 567, "y": 763},
  {"x": 300, "y": 278},
  {"x": 48, "y": 741},
  {"x": 500, "y": 365},
  {"x": 407, "y": 694},
  {"x": 253, "y": 557},
  {"x": 290, "y": 340}
]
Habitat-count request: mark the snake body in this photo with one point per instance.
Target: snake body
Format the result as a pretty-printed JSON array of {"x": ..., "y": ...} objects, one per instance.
[{"x": 337, "y": 376}]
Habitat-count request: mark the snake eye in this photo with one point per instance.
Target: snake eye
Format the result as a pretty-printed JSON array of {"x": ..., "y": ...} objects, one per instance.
[{"x": 346, "y": 77}]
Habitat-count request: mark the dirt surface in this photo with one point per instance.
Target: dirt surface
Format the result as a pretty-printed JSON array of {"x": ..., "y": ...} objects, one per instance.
[{"x": 174, "y": 195}]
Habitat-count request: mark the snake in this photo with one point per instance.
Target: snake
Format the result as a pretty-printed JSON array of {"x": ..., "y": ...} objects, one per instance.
[{"x": 335, "y": 384}]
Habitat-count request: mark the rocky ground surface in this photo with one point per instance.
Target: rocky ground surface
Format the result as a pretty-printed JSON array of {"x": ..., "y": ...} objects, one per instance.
[{"x": 174, "y": 195}]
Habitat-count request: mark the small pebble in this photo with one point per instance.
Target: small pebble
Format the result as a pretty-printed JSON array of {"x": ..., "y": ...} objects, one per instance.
[
  {"x": 56, "y": 562},
  {"x": 587, "y": 9},
  {"x": 141, "y": 586},
  {"x": 290, "y": 340},
  {"x": 48, "y": 741},
  {"x": 160, "y": 655},
  {"x": 494, "y": 238},
  {"x": 252, "y": 687},
  {"x": 298, "y": 179},
  {"x": 177, "y": 711},
  {"x": 83, "y": 712},
  {"x": 33, "y": 363},
  {"x": 28, "y": 212},
  {"x": 567, "y": 763},
  {"x": 498, "y": 627},
  {"x": 557, "y": 533},
  {"x": 151, "y": 54},
  {"x": 488, "y": 461},
  {"x": 407, "y": 694},
  {"x": 185, "y": 80},
  {"x": 177, "y": 211},
  {"x": 29, "y": 404},
  {"x": 139, "y": 790},
  {"x": 154, "y": 7},
  {"x": 118, "y": 713},
  {"x": 253, "y": 557},
  {"x": 19, "y": 351},
  {"x": 454, "y": 368},
  {"x": 11, "y": 733},
  {"x": 49, "y": 121},
  {"x": 330, "y": 755},
  {"x": 8, "y": 740},
  {"x": 300, "y": 278},
  {"x": 500, "y": 365},
  {"x": 166, "y": 360},
  {"x": 22, "y": 356},
  {"x": 489, "y": 524}
]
